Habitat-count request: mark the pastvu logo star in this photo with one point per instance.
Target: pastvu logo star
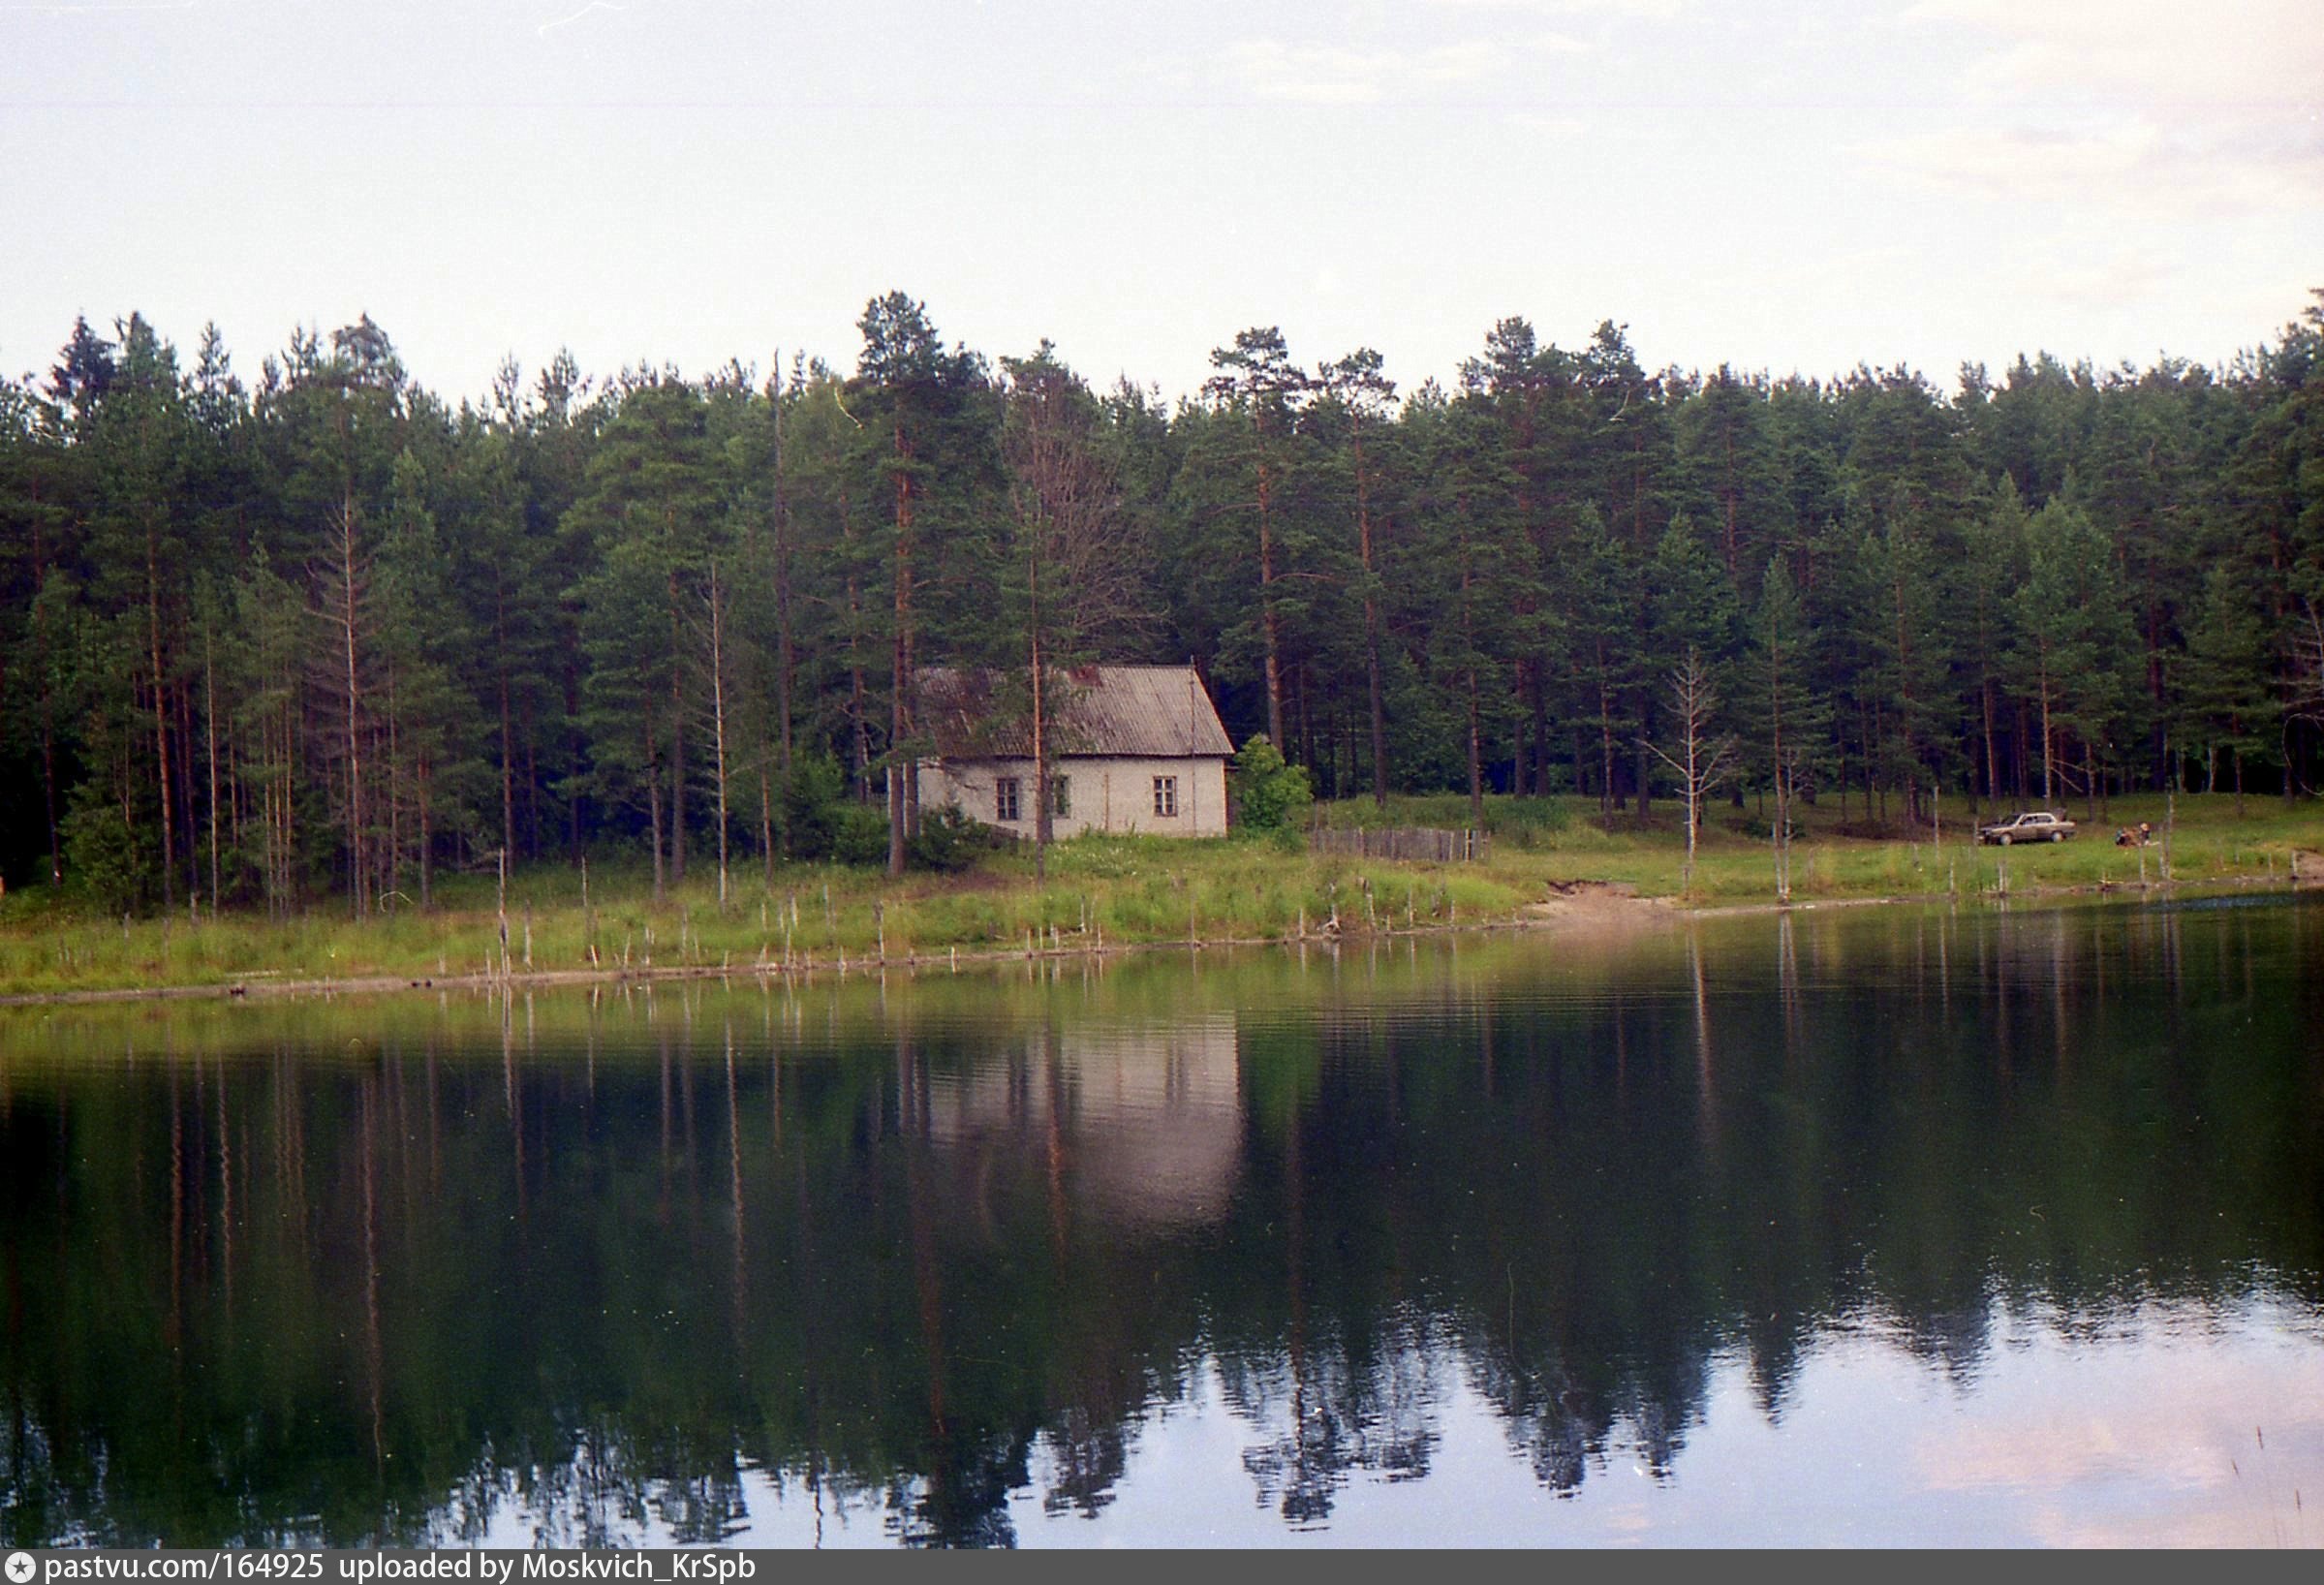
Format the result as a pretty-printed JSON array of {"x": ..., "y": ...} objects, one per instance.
[{"x": 21, "y": 1567}]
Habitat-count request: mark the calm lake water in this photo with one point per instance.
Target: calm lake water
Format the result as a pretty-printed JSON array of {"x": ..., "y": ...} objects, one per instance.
[{"x": 1863, "y": 1225}]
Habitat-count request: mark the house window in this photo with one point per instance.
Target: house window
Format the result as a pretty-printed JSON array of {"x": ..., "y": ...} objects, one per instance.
[
  {"x": 1061, "y": 798},
  {"x": 1165, "y": 795},
  {"x": 1006, "y": 793}
]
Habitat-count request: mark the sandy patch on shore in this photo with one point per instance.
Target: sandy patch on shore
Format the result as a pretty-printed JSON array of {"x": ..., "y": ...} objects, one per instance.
[{"x": 1597, "y": 906}]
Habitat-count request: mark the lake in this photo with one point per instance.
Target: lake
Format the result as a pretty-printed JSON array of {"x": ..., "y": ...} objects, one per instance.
[{"x": 1858, "y": 1225}]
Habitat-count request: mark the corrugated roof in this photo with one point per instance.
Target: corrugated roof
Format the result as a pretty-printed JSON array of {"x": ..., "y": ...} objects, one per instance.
[{"x": 1145, "y": 711}]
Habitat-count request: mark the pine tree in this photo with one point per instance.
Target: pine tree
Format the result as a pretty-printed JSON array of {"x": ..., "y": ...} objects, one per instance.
[
  {"x": 1359, "y": 387},
  {"x": 1260, "y": 384},
  {"x": 647, "y": 508},
  {"x": 2074, "y": 636},
  {"x": 917, "y": 403},
  {"x": 2224, "y": 700},
  {"x": 136, "y": 433}
]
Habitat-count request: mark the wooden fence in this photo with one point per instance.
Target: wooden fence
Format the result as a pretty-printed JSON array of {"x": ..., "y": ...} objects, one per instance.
[{"x": 1422, "y": 843}]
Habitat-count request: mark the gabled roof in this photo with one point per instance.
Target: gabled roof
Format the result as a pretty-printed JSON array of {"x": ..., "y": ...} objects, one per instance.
[{"x": 1147, "y": 712}]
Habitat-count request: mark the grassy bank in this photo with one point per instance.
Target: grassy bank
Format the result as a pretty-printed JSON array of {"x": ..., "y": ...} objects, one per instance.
[
  {"x": 1116, "y": 891},
  {"x": 1845, "y": 853}
]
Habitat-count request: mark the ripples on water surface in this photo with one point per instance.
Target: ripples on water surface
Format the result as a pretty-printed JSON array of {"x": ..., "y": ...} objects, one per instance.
[{"x": 1866, "y": 1226}]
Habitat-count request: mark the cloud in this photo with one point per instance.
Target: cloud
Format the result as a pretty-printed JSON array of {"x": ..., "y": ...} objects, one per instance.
[
  {"x": 1312, "y": 74},
  {"x": 2096, "y": 282},
  {"x": 2240, "y": 55},
  {"x": 2016, "y": 163},
  {"x": 1545, "y": 125},
  {"x": 565, "y": 21},
  {"x": 1308, "y": 73},
  {"x": 1859, "y": 261},
  {"x": 1655, "y": 11},
  {"x": 2124, "y": 163},
  {"x": 2142, "y": 105}
]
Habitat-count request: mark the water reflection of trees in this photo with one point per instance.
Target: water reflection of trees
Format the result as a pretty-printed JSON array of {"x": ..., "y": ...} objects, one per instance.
[{"x": 584, "y": 1264}]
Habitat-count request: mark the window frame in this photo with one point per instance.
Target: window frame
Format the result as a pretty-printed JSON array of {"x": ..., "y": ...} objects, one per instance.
[
  {"x": 1008, "y": 798},
  {"x": 1165, "y": 798}
]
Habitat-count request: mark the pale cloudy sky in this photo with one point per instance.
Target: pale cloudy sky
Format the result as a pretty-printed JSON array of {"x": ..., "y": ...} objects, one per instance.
[{"x": 1790, "y": 185}]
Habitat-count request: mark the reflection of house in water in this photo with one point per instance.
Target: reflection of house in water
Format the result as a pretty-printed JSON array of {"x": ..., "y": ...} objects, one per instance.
[{"x": 1148, "y": 1120}]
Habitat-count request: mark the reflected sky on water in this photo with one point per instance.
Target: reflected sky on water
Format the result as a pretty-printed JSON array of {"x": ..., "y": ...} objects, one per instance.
[{"x": 1850, "y": 1226}]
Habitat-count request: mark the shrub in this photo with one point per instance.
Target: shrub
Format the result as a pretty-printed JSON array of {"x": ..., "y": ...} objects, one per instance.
[
  {"x": 859, "y": 835},
  {"x": 949, "y": 841},
  {"x": 1269, "y": 794},
  {"x": 113, "y": 861}
]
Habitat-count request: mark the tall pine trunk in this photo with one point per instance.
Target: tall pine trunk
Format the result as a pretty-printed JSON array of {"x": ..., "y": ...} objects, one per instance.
[
  {"x": 209, "y": 712},
  {"x": 1606, "y": 739},
  {"x": 1476, "y": 762},
  {"x": 1372, "y": 678},
  {"x": 161, "y": 706},
  {"x": 1042, "y": 828},
  {"x": 1270, "y": 625},
  {"x": 677, "y": 740},
  {"x": 900, "y": 802},
  {"x": 2048, "y": 737},
  {"x": 653, "y": 800},
  {"x": 350, "y": 592},
  {"x": 717, "y": 721},
  {"x": 508, "y": 743}
]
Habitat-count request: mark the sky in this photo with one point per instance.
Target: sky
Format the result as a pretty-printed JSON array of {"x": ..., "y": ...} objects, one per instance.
[{"x": 1788, "y": 186}]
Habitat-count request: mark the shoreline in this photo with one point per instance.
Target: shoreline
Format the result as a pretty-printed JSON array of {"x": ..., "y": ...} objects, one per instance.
[{"x": 1573, "y": 908}]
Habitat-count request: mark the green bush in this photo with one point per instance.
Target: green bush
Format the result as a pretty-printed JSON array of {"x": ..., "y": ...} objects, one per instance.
[
  {"x": 1268, "y": 793},
  {"x": 947, "y": 842},
  {"x": 113, "y": 861},
  {"x": 1284, "y": 839},
  {"x": 859, "y": 835}
]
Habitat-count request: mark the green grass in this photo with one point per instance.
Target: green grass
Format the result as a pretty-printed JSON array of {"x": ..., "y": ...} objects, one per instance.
[
  {"x": 1115, "y": 891},
  {"x": 1735, "y": 863}
]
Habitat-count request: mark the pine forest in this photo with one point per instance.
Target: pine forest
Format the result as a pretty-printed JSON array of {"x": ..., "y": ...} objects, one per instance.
[{"x": 309, "y": 635}]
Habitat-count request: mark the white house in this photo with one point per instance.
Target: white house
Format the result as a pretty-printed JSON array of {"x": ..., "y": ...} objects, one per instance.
[{"x": 1132, "y": 748}]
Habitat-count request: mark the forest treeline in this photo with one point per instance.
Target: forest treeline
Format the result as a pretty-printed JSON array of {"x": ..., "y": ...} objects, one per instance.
[{"x": 320, "y": 633}]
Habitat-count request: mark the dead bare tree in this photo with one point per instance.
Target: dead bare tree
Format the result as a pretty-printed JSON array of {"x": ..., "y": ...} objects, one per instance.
[
  {"x": 1702, "y": 761},
  {"x": 1083, "y": 574},
  {"x": 2307, "y": 700},
  {"x": 1787, "y": 778},
  {"x": 345, "y": 607}
]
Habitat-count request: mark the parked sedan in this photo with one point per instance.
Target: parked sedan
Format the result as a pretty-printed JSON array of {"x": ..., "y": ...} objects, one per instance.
[{"x": 2033, "y": 825}]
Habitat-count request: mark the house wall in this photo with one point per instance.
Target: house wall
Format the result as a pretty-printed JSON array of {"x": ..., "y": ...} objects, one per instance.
[{"x": 1106, "y": 794}]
